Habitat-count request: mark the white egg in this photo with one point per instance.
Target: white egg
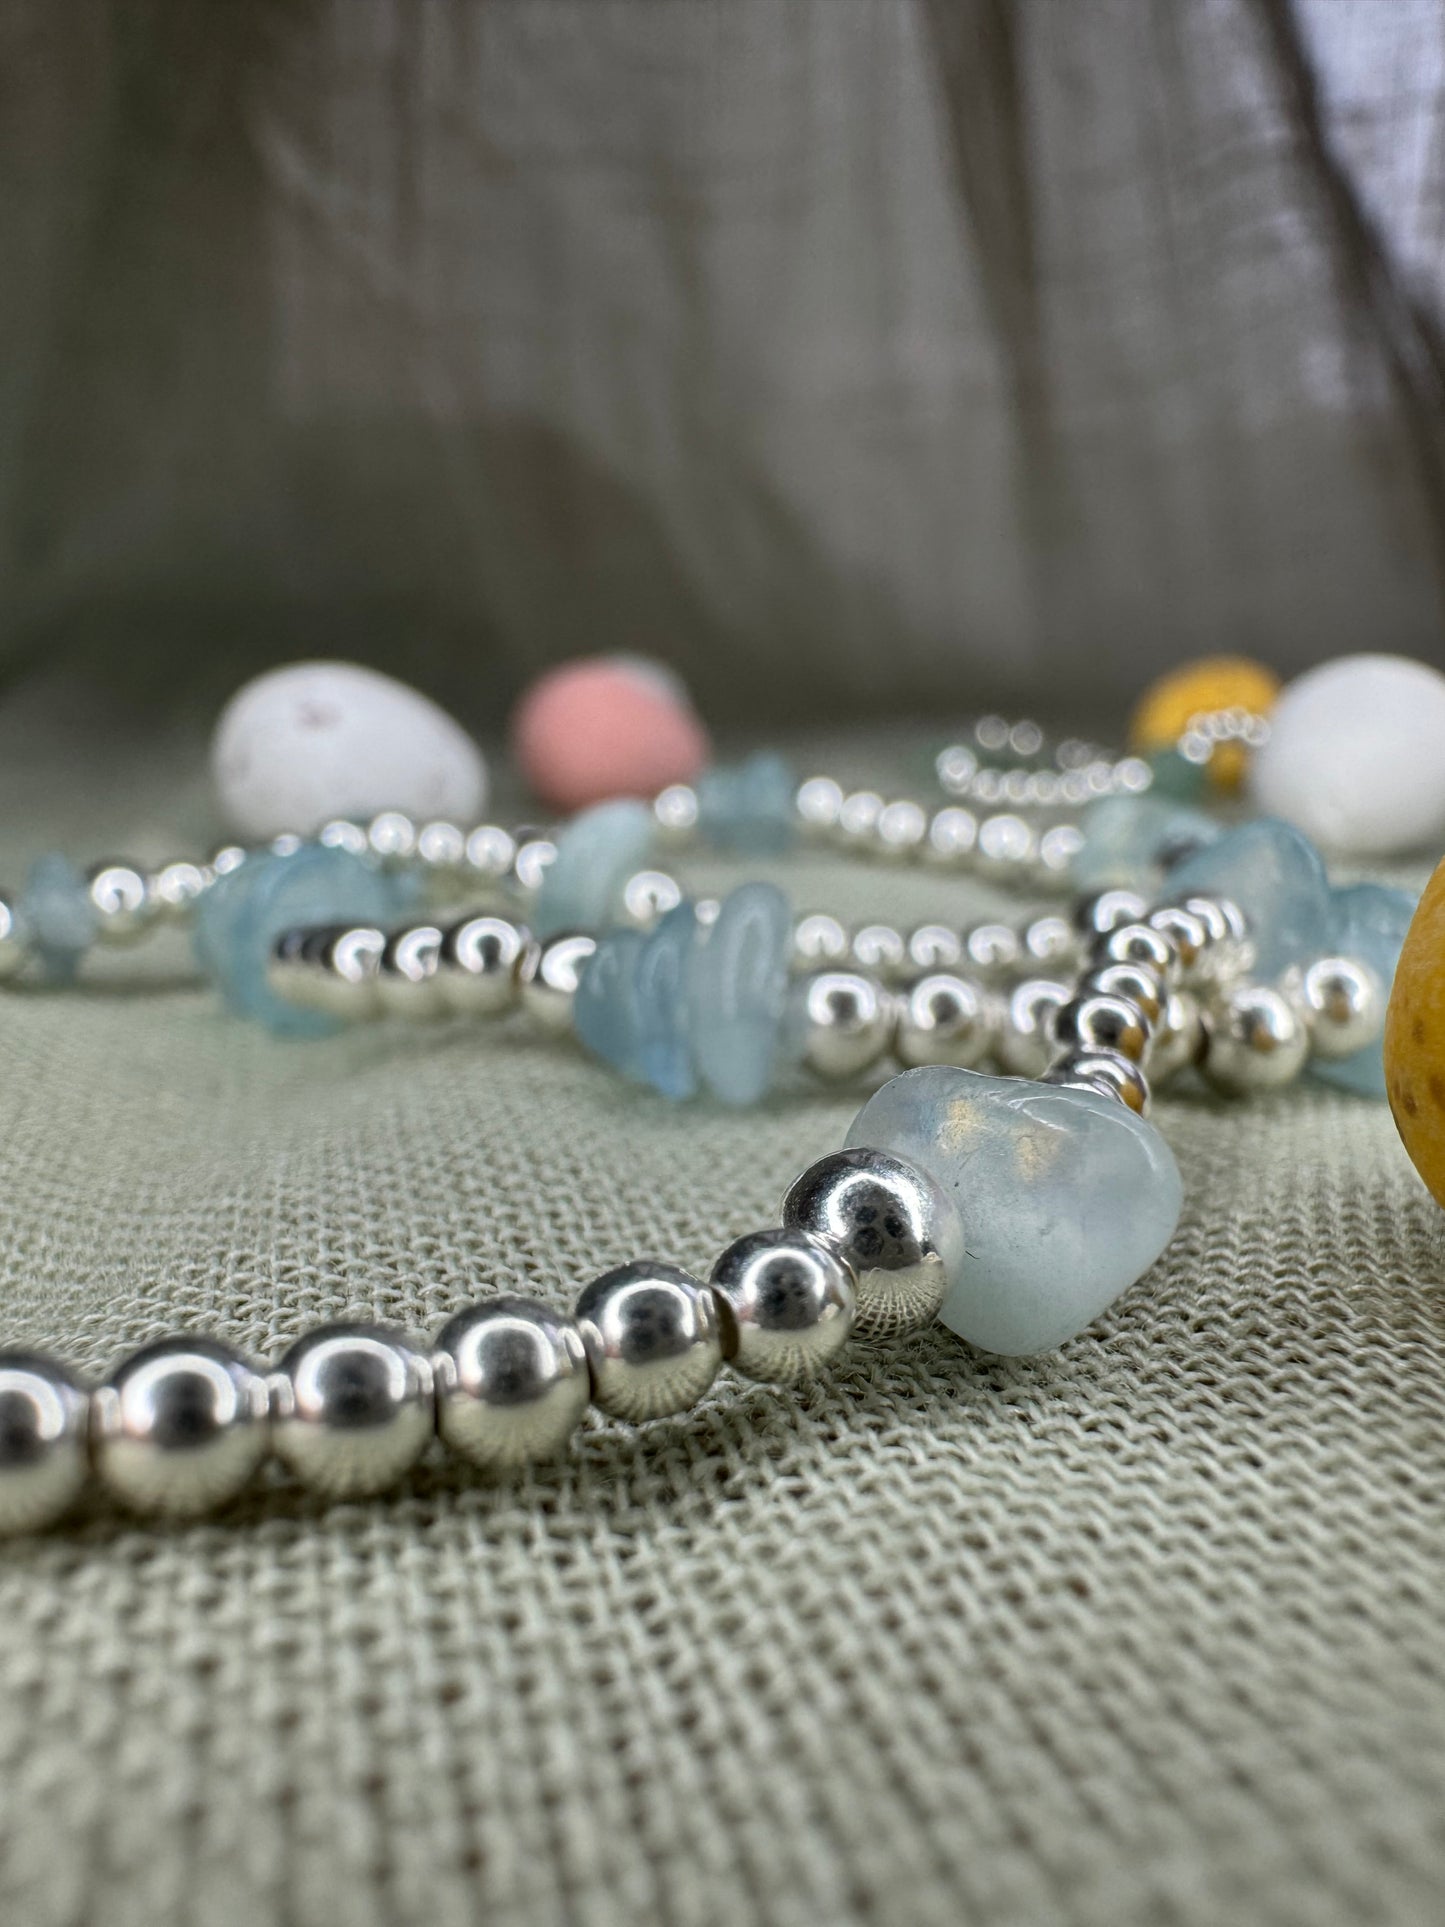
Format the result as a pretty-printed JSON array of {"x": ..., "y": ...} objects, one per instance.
[
  {"x": 1356, "y": 756},
  {"x": 317, "y": 740}
]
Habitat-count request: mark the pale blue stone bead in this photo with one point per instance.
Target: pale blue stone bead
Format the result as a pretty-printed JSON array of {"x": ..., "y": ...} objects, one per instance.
[
  {"x": 1066, "y": 1196},
  {"x": 738, "y": 993},
  {"x": 664, "y": 982},
  {"x": 596, "y": 854},
  {"x": 1276, "y": 877},
  {"x": 1130, "y": 841},
  {"x": 1368, "y": 921},
  {"x": 606, "y": 1013},
  {"x": 749, "y": 806},
  {"x": 59, "y": 915},
  {"x": 243, "y": 913}
]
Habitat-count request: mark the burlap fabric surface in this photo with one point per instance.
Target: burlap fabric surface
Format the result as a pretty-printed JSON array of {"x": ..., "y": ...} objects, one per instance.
[{"x": 1145, "y": 1631}]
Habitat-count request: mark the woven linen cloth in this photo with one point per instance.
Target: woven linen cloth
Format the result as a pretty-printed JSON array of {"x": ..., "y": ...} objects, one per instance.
[{"x": 1147, "y": 1630}]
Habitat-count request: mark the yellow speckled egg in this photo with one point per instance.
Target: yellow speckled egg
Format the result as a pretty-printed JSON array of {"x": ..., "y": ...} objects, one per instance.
[
  {"x": 1415, "y": 1038},
  {"x": 1199, "y": 688}
]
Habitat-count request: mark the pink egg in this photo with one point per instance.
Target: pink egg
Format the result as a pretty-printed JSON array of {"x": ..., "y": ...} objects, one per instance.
[{"x": 606, "y": 726}]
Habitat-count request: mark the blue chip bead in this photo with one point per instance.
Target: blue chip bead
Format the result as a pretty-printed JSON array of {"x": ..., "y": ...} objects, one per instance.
[
  {"x": 605, "y": 1011},
  {"x": 243, "y": 913},
  {"x": 1275, "y": 875},
  {"x": 749, "y": 807},
  {"x": 1368, "y": 921},
  {"x": 596, "y": 854},
  {"x": 59, "y": 915},
  {"x": 739, "y": 991},
  {"x": 1130, "y": 841},
  {"x": 664, "y": 981}
]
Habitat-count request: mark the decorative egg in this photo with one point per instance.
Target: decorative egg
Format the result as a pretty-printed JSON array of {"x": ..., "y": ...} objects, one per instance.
[
  {"x": 606, "y": 726},
  {"x": 1356, "y": 756},
  {"x": 317, "y": 740},
  {"x": 1415, "y": 1038},
  {"x": 1203, "y": 688}
]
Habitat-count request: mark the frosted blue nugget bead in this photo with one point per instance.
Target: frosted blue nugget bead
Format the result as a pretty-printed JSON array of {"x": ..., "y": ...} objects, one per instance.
[
  {"x": 1130, "y": 841},
  {"x": 664, "y": 980},
  {"x": 1066, "y": 1197},
  {"x": 606, "y": 1014},
  {"x": 1368, "y": 922},
  {"x": 738, "y": 993},
  {"x": 748, "y": 806},
  {"x": 59, "y": 915},
  {"x": 243, "y": 913},
  {"x": 1276, "y": 877},
  {"x": 596, "y": 854}
]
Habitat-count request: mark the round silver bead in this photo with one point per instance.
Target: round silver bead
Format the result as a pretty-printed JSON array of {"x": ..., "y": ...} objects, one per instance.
[
  {"x": 491, "y": 852},
  {"x": 1187, "y": 932},
  {"x": 956, "y": 768},
  {"x": 351, "y": 1409},
  {"x": 847, "y": 1023},
  {"x": 180, "y": 1427},
  {"x": 535, "y": 855},
  {"x": 1256, "y": 1040},
  {"x": 406, "y": 981},
  {"x": 858, "y": 816},
  {"x": 933, "y": 946},
  {"x": 548, "y": 976},
  {"x": 818, "y": 939},
  {"x": 1106, "y": 1072},
  {"x": 175, "y": 889},
  {"x": 945, "y": 1020},
  {"x": 787, "y": 1303},
  {"x": 442, "y": 848},
  {"x": 1098, "y": 1022},
  {"x": 880, "y": 949},
  {"x": 1139, "y": 943},
  {"x": 341, "y": 833},
  {"x": 121, "y": 900},
  {"x": 1227, "y": 948},
  {"x": 893, "y": 1227},
  {"x": 1343, "y": 1003},
  {"x": 1026, "y": 1044},
  {"x": 44, "y": 1451},
  {"x": 1051, "y": 941},
  {"x": 952, "y": 837},
  {"x": 1058, "y": 847},
  {"x": 511, "y": 1381},
  {"x": 1177, "y": 1038},
  {"x": 391, "y": 835},
  {"x": 229, "y": 857},
  {"x": 818, "y": 803},
  {"x": 1105, "y": 910},
  {"x": 675, "y": 812},
  {"x": 652, "y": 1338},
  {"x": 1132, "y": 982},
  {"x": 993, "y": 950},
  {"x": 348, "y": 962},
  {"x": 287, "y": 973},
  {"x": 647, "y": 896},
  {"x": 478, "y": 963},
  {"x": 901, "y": 829},
  {"x": 1007, "y": 847}
]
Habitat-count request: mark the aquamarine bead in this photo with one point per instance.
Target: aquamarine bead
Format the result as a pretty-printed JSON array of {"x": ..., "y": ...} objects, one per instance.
[
  {"x": 606, "y": 1014},
  {"x": 1368, "y": 921},
  {"x": 1066, "y": 1196},
  {"x": 1275, "y": 875},
  {"x": 243, "y": 913},
  {"x": 738, "y": 993},
  {"x": 1177, "y": 778},
  {"x": 59, "y": 915},
  {"x": 749, "y": 806},
  {"x": 664, "y": 979},
  {"x": 1130, "y": 841},
  {"x": 596, "y": 854}
]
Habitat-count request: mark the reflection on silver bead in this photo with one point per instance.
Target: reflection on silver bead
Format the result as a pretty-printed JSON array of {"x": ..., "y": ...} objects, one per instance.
[
  {"x": 442, "y": 847},
  {"x": 847, "y": 1023},
  {"x": 477, "y": 965},
  {"x": 1177, "y": 1038},
  {"x": 1132, "y": 982},
  {"x": 1139, "y": 943},
  {"x": 895, "y": 1229},
  {"x": 491, "y": 851},
  {"x": 1343, "y": 1003},
  {"x": 858, "y": 816},
  {"x": 44, "y": 1455},
  {"x": 1006, "y": 848},
  {"x": 1255, "y": 1040},
  {"x": 349, "y": 964},
  {"x": 1227, "y": 948},
  {"x": 549, "y": 974},
  {"x": 880, "y": 949},
  {"x": 1185, "y": 931},
  {"x": 342, "y": 834},
  {"x": 229, "y": 857},
  {"x": 647, "y": 896},
  {"x": 121, "y": 901},
  {"x": 952, "y": 837},
  {"x": 351, "y": 1409},
  {"x": 14, "y": 938},
  {"x": 901, "y": 829},
  {"x": 406, "y": 982},
  {"x": 675, "y": 812},
  {"x": 933, "y": 946},
  {"x": 1057, "y": 849},
  {"x": 1106, "y": 910},
  {"x": 535, "y": 856},
  {"x": 993, "y": 950},
  {"x": 956, "y": 768},
  {"x": 945, "y": 1020},
  {"x": 1051, "y": 940},
  {"x": 1026, "y": 1044},
  {"x": 180, "y": 1427},
  {"x": 1104, "y": 1071},
  {"x": 1098, "y": 1022},
  {"x": 391, "y": 836},
  {"x": 818, "y": 803},
  {"x": 175, "y": 889},
  {"x": 787, "y": 1303},
  {"x": 818, "y": 939},
  {"x": 512, "y": 1382},
  {"x": 652, "y": 1338}
]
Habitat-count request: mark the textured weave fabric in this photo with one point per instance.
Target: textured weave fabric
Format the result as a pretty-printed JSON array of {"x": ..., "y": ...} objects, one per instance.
[{"x": 1146, "y": 1631}]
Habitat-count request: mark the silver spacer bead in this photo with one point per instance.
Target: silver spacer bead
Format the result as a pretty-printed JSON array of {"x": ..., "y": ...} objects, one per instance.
[
  {"x": 229, "y": 857},
  {"x": 847, "y": 1023},
  {"x": 1105, "y": 910},
  {"x": 407, "y": 979},
  {"x": 512, "y": 1382},
  {"x": 351, "y": 1409},
  {"x": 442, "y": 848},
  {"x": 933, "y": 946},
  {"x": 535, "y": 855},
  {"x": 1139, "y": 943},
  {"x": 1132, "y": 982},
  {"x": 478, "y": 963},
  {"x": 1026, "y": 1045},
  {"x": 858, "y": 816},
  {"x": 121, "y": 901},
  {"x": 180, "y": 1427},
  {"x": 1343, "y": 1002},
  {"x": 901, "y": 830},
  {"x": 880, "y": 949},
  {"x": 548, "y": 975},
  {"x": 44, "y": 1452},
  {"x": 652, "y": 1338},
  {"x": 1096, "y": 1022},
  {"x": 491, "y": 852},
  {"x": 786, "y": 1303},
  {"x": 956, "y": 768},
  {"x": 391, "y": 836},
  {"x": 347, "y": 966},
  {"x": 892, "y": 1226},
  {"x": 1256, "y": 1040},
  {"x": 1058, "y": 847},
  {"x": 1051, "y": 941},
  {"x": 1188, "y": 933},
  {"x": 818, "y": 804},
  {"x": 818, "y": 939},
  {"x": 1227, "y": 951},
  {"x": 952, "y": 837},
  {"x": 1007, "y": 847},
  {"x": 993, "y": 950},
  {"x": 1106, "y": 1072},
  {"x": 176, "y": 888},
  {"x": 647, "y": 896},
  {"x": 945, "y": 1020},
  {"x": 342, "y": 834},
  {"x": 675, "y": 812}
]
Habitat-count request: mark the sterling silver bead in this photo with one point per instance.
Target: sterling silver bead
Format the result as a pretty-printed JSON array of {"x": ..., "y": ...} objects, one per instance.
[
  {"x": 858, "y": 816},
  {"x": 348, "y": 963},
  {"x": 901, "y": 829},
  {"x": 847, "y": 1023},
  {"x": 512, "y": 1382},
  {"x": 478, "y": 963},
  {"x": 647, "y": 896},
  {"x": 1105, "y": 910},
  {"x": 535, "y": 854},
  {"x": 818, "y": 802},
  {"x": 1058, "y": 848},
  {"x": 548, "y": 976},
  {"x": 1051, "y": 942},
  {"x": 992, "y": 949},
  {"x": 1255, "y": 1040},
  {"x": 675, "y": 812},
  {"x": 1132, "y": 982},
  {"x": 787, "y": 1304},
  {"x": 341, "y": 833},
  {"x": 933, "y": 946},
  {"x": 180, "y": 1427},
  {"x": 1187, "y": 932},
  {"x": 1104, "y": 1071},
  {"x": 1177, "y": 1038},
  {"x": 175, "y": 889},
  {"x": 652, "y": 1338},
  {"x": 1227, "y": 949},
  {"x": 406, "y": 981},
  {"x": 1343, "y": 1003},
  {"x": 1026, "y": 1044},
  {"x": 392, "y": 837},
  {"x": 819, "y": 939},
  {"x": 952, "y": 837},
  {"x": 351, "y": 1409},
  {"x": 880, "y": 949},
  {"x": 891, "y": 1225},
  {"x": 442, "y": 848},
  {"x": 491, "y": 851},
  {"x": 1006, "y": 849},
  {"x": 1096, "y": 1022},
  {"x": 121, "y": 901},
  {"x": 1138, "y": 943},
  {"x": 44, "y": 1456},
  {"x": 945, "y": 1020}
]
